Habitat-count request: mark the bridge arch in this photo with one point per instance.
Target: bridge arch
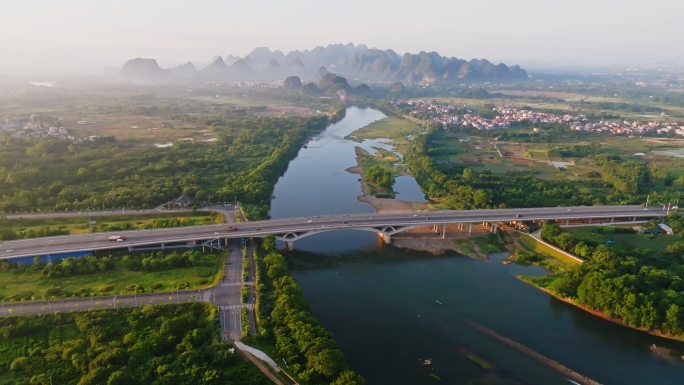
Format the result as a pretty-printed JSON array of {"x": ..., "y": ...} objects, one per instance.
[{"x": 385, "y": 232}]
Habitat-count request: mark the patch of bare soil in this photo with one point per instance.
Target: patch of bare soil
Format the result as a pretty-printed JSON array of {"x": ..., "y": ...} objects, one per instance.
[
  {"x": 426, "y": 239},
  {"x": 386, "y": 205}
]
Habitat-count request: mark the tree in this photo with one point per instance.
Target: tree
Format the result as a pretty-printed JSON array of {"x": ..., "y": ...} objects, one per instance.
[
  {"x": 674, "y": 320},
  {"x": 21, "y": 364},
  {"x": 329, "y": 362},
  {"x": 467, "y": 174},
  {"x": 349, "y": 378}
]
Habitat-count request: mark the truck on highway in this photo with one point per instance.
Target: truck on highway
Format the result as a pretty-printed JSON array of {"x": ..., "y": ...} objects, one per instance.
[
  {"x": 231, "y": 228},
  {"x": 117, "y": 238}
]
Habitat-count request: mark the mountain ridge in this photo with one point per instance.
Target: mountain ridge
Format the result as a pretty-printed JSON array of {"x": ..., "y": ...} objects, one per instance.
[{"x": 357, "y": 62}]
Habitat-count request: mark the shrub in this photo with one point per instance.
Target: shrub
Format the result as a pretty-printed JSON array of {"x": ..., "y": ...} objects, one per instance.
[
  {"x": 53, "y": 290},
  {"x": 204, "y": 273},
  {"x": 156, "y": 286},
  {"x": 202, "y": 281},
  {"x": 210, "y": 257},
  {"x": 24, "y": 295},
  {"x": 180, "y": 285},
  {"x": 132, "y": 287},
  {"x": 107, "y": 288}
]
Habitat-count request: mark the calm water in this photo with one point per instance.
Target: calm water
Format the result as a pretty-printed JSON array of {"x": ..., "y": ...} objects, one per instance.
[{"x": 380, "y": 302}]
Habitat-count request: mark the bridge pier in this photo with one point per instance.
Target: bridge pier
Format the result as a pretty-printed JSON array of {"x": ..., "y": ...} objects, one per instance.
[
  {"x": 494, "y": 226},
  {"x": 470, "y": 228},
  {"x": 289, "y": 245},
  {"x": 589, "y": 220},
  {"x": 612, "y": 220},
  {"x": 443, "y": 231},
  {"x": 386, "y": 238}
]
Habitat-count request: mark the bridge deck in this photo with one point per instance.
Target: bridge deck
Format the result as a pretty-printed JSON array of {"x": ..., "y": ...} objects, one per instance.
[{"x": 299, "y": 226}]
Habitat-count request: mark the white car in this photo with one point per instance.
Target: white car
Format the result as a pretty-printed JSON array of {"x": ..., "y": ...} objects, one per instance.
[
  {"x": 217, "y": 233},
  {"x": 415, "y": 215},
  {"x": 568, "y": 210},
  {"x": 9, "y": 250},
  {"x": 309, "y": 221}
]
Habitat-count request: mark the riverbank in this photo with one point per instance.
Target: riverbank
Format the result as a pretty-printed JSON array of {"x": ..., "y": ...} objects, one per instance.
[
  {"x": 478, "y": 245},
  {"x": 598, "y": 313}
]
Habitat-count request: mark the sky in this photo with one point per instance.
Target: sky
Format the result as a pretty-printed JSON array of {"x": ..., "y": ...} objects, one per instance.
[{"x": 98, "y": 34}]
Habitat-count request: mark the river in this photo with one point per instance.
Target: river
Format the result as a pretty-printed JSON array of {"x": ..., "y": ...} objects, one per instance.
[{"x": 390, "y": 309}]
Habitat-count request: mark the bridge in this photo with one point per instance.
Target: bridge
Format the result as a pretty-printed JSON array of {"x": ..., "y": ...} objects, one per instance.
[{"x": 292, "y": 229}]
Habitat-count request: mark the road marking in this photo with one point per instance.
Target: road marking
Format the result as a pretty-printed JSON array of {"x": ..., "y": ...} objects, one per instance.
[{"x": 232, "y": 307}]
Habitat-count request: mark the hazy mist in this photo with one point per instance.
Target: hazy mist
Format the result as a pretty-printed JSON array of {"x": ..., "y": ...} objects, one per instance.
[{"x": 78, "y": 35}]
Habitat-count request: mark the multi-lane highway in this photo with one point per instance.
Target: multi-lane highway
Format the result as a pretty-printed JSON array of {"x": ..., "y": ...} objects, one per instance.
[{"x": 141, "y": 238}]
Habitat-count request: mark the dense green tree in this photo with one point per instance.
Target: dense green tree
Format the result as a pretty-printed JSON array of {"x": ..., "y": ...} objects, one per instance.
[{"x": 285, "y": 321}]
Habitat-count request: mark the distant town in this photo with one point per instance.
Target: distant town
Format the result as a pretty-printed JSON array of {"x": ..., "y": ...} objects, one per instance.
[
  {"x": 30, "y": 127},
  {"x": 449, "y": 117}
]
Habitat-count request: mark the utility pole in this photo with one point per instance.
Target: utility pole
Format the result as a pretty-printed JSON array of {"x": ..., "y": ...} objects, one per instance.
[
  {"x": 91, "y": 301},
  {"x": 647, "y": 196}
]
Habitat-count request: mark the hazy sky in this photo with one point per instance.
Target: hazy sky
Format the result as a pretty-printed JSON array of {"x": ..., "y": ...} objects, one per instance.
[{"x": 513, "y": 31}]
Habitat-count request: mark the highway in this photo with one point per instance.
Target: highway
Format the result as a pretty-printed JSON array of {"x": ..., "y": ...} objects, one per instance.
[
  {"x": 140, "y": 238},
  {"x": 226, "y": 295}
]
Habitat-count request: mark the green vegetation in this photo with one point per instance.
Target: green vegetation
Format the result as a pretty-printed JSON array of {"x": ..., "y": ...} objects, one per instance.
[
  {"x": 480, "y": 361},
  {"x": 244, "y": 319},
  {"x": 245, "y": 163},
  {"x": 487, "y": 245},
  {"x": 629, "y": 239},
  {"x": 526, "y": 258},
  {"x": 534, "y": 246},
  {"x": 380, "y": 177},
  {"x": 391, "y": 127},
  {"x": 79, "y": 277},
  {"x": 164, "y": 344},
  {"x": 285, "y": 323},
  {"x": 639, "y": 286},
  {"x": 244, "y": 294},
  {"x": 42, "y": 227},
  {"x": 464, "y": 175},
  {"x": 245, "y": 265}
]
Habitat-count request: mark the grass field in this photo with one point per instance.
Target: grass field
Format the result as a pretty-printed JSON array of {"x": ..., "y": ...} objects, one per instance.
[
  {"x": 15, "y": 282},
  {"x": 546, "y": 251},
  {"x": 392, "y": 127},
  {"x": 657, "y": 243},
  {"x": 79, "y": 225},
  {"x": 478, "y": 154}
]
